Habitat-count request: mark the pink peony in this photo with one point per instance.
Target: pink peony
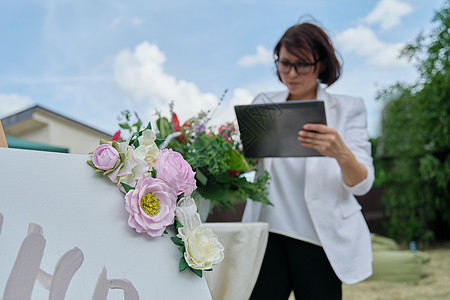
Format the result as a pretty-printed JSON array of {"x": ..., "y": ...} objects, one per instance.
[
  {"x": 151, "y": 206},
  {"x": 171, "y": 167},
  {"x": 105, "y": 157}
]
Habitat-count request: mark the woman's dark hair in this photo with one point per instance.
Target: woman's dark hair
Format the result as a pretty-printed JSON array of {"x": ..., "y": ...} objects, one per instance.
[{"x": 305, "y": 38}]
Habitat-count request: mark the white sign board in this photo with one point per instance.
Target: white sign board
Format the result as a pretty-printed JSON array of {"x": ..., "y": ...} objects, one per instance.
[{"x": 82, "y": 216}]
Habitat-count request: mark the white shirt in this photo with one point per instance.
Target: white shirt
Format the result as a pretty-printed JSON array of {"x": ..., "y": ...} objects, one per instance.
[{"x": 289, "y": 216}]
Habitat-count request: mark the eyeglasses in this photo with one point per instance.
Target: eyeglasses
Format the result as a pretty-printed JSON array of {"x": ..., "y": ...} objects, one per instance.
[{"x": 301, "y": 68}]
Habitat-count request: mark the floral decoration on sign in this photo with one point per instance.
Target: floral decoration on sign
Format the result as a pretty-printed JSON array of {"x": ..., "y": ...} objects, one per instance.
[{"x": 158, "y": 186}]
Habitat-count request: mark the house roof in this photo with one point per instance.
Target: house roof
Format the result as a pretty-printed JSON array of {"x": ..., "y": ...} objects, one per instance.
[{"x": 27, "y": 114}]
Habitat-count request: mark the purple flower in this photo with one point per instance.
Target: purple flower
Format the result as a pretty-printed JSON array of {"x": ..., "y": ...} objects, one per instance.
[
  {"x": 199, "y": 129},
  {"x": 151, "y": 206}
]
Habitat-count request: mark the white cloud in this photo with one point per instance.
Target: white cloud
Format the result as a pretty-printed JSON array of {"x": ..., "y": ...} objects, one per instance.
[
  {"x": 262, "y": 56},
  {"x": 363, "y": 41},
  {"x": 11, "y": 103},
  {"x": 141, "y": 75},
  {"x": 134, "y": 21},
  {"x": 388, "y": 13}
]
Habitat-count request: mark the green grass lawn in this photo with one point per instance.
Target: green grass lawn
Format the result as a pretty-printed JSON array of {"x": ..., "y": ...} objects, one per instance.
[{"x": 433, "y": 285}]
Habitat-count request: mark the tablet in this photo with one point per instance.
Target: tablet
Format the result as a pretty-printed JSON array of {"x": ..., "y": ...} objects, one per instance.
[{"x": 271, "y": 129}]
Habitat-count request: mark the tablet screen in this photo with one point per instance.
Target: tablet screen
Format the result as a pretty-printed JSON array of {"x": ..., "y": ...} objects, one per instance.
[{"x": 271, "y": 129}]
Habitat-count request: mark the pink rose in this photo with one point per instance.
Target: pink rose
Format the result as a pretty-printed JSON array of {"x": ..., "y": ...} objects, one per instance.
[
  {"x": 171, "y": 167},
  {"x": 105, "y": 157},
  {"x": 151, "y": 206}
]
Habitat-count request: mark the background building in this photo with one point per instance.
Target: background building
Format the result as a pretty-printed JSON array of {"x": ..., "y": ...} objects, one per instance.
[{"x": 39, "y": 128}]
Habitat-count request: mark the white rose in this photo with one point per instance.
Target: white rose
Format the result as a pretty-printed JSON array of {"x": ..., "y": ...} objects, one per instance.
[
  {"x": 131, "y": 168},
  {"x": 187, "y": 215},
  {"x": 147, "y": 150},
  {"x": 202, "y": 248}
]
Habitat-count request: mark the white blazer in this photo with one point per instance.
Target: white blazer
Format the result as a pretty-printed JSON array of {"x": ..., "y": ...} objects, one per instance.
[{"x": 335, "y": 213}]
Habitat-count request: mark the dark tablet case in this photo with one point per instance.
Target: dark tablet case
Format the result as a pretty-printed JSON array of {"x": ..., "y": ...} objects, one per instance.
[{"x": 271, "y": 129}]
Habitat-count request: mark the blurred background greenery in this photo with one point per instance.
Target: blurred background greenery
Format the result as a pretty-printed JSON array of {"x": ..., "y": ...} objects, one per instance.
[{"x": 411, "y": 156}]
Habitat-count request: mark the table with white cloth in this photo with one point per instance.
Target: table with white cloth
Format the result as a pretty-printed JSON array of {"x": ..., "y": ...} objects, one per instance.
[{"x": 245, "y": 244}]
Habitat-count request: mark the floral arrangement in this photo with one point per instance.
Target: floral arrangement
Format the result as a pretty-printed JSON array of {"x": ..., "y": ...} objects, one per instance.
[
  {"x": 223, "y": 174},
  {"x": 158, "y": 186}
]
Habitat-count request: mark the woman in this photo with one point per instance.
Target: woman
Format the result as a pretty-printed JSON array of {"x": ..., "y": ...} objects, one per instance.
[{"x": 318, "y": 237}]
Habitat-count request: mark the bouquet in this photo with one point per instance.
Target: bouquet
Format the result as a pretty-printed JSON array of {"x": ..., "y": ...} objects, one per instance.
[
  {"x": 158, "y": 186},
  {"x": 224, "y": 176}
]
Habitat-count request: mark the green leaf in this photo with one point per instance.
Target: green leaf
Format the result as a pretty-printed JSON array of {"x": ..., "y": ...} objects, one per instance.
[
  {"x": 183, "y": 264},
  {"x": 89, "y": 162},
  {"x": 201, "y": 177},
  {"x": 127, "y": 187},
  {"x": 220, "y": 196},
  {"x": 182, "y": 249},
  {"x": 122, "y": 156},
  {"x": 163, "y": 126},
  {"x": 199, "y": 273},
  {"x": 177, "y": 241},
  {"x": 137, "y": 125},
  {"x": 236, "y": 161},
  {"x": 124, "y": 126},
  {"x": 115, "y": 145},
  {"x": 149, "y": 126},
  {"x": 178, "y": 223},
  {"x": 159, "y": 141}
]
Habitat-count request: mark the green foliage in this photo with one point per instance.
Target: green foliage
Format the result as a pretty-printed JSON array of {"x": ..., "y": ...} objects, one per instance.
[
  {"x": 129, "y": 121},
  {"x": 412, "y": 159},
  {"x": 133, "y": 124},
  {"x": 213, "y": 157},
  {"x": 163, "y": 127}
]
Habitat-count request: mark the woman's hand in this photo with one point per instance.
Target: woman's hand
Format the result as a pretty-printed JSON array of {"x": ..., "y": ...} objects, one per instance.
[
  {"x": 328, "y": 142},
  {"x": 324, "y": 139}
]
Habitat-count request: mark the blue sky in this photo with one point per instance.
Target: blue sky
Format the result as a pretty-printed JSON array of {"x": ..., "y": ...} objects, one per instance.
[{"x": 89, "y": 60}]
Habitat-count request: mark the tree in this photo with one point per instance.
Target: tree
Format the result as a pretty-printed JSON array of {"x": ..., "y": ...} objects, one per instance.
[{"x": 413, "y": 150}]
